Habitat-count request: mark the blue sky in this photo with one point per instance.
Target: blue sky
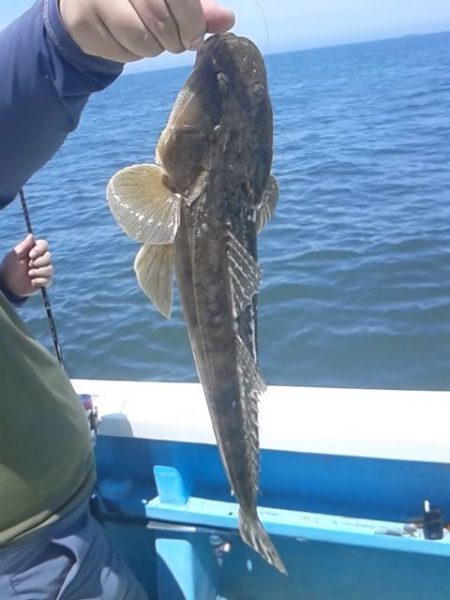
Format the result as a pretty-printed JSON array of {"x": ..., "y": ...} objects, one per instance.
[{"x": 297, "y": 24}]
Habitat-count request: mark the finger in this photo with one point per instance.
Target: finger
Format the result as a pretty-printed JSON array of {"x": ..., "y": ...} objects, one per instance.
[
  {"x": 91, "y": 34},
  {"x": 22, "y": 249},
  {"x": 41, "y": 282},
  {"x": 41, "y": 261},
  {"x": 41, "y": 272},
  {"x": 40, "y": 247},
  {"x": 129, "y": 30},
  {"x": 218, "y": 19},
  {"x": 190, "y": 20},
  {"x": 158, "y": 19}
]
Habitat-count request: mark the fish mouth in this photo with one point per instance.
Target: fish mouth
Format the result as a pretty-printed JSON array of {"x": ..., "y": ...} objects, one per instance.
[
  {"x": 217, "y": 42},
  {"x": 230, "y": 54}
]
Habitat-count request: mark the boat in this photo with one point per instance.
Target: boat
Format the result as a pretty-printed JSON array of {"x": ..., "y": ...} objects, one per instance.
[{"x": 361, "y": 476}]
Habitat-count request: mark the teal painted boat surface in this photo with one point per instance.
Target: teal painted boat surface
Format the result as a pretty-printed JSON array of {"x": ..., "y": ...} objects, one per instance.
[{"x": 348, "y": 524}]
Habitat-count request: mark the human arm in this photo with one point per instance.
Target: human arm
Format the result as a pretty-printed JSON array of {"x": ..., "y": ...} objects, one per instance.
[
  {"x": 46, "y": 81},
  {"x": 50, "y": 65},
  {"x": 132, "y": 29},
  {"x": 25, "y": 269}
]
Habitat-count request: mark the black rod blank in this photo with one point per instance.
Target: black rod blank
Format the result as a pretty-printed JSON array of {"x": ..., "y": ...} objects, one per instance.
[{"x": 48, "y": 308}]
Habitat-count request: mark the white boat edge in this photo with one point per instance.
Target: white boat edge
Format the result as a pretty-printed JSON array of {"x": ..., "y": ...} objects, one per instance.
[{"x": 385, "y": 424}]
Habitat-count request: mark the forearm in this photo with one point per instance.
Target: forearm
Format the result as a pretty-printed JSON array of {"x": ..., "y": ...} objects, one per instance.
[
  {"x": 45, "y": 82},
  {"x": 16, "y": 300}
]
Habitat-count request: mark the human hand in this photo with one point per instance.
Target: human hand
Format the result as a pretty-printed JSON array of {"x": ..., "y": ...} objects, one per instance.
[
  {"x": 128, "y": 30},
  {"x": 27, "y": 267}
]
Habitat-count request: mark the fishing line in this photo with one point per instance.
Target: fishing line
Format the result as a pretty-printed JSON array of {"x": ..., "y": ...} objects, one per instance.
[
  {"x": 264, "y": 19},
  {"x": 47, "y": 305}
]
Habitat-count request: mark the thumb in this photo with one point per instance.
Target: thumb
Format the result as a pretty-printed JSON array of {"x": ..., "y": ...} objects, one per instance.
[
  {"x": 22, "y": 250},
  {"x": 218, "y": 19}
]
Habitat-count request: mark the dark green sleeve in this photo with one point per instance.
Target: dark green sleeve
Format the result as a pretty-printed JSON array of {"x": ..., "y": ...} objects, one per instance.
[{"x": 46, "y": 459}]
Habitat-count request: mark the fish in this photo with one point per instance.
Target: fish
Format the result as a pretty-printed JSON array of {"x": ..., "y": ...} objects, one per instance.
[{"x": 196, "y": 211}]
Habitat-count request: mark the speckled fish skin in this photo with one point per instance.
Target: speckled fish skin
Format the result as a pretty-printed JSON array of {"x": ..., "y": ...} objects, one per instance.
[
  {"x": 230, "y": 140},
  {"x": 198, "y": 210}
]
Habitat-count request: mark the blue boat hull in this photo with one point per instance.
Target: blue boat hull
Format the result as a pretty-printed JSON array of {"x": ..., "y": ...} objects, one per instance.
[{"x": 348, "y": 527}]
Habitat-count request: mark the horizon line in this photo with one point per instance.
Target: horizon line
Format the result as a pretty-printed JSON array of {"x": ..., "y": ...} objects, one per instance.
[{"x": 296, "y": 50}]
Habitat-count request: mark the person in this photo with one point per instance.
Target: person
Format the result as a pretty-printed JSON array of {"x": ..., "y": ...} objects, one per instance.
[{"x": 52, "y": 59}]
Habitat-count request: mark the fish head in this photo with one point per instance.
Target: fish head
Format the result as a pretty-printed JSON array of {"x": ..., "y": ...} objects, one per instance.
[
  {"x": 226, "y": 91},
  {"x": 237, "y": 66}
]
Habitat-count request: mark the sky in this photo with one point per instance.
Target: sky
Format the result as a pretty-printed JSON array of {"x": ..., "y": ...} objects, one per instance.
[{"x": 282, "y": 25}]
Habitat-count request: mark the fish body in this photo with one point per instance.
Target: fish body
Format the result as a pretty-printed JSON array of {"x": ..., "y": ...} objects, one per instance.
[{"x": 197, "y": 212}]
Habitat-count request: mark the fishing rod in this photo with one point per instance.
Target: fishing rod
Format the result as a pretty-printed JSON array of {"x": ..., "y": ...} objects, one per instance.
[
  {"x": 47, "y": 305},
  {"x": 86, "y": 399}
]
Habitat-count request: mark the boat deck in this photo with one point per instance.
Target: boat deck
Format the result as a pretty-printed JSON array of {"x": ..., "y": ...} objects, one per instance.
[{"x": 349, "y": 468}]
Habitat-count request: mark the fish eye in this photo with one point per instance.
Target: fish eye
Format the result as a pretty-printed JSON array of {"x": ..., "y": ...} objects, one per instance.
[
  {"x": 258, "y": 89},
  {"x": 222, "y": 80}
]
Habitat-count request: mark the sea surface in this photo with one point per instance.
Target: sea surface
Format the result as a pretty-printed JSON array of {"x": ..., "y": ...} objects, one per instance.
[{"x": 356, "y": 261}]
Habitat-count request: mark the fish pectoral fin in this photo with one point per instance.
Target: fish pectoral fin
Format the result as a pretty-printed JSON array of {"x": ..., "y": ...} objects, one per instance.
[
  {"x": 245, "y": 274},
  {"x": 143, "y": 205},
  {"x": 269, "y": 200},
  {"x": 154, "y": 271}
]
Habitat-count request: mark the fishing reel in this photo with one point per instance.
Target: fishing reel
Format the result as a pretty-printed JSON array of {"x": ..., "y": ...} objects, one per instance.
[{"x": 87, "y": 401}]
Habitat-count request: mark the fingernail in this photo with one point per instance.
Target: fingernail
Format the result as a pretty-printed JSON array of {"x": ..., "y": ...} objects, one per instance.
[{"x": 196, "y": 44}]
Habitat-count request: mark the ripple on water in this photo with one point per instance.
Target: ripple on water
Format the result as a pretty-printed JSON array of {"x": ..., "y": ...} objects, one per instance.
[{"x": 355, "y": 263}]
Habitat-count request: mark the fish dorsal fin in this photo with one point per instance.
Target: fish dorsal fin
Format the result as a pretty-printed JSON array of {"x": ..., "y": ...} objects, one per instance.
[
  {"x": 245, "y": 274},
  {"x": 154, "y": 271},
  {"x": 142, "y": 205},
  {"x": 269, "y": 201},
  {"x": 252, "y": 381},
  {"x": 251, "y": 385}
]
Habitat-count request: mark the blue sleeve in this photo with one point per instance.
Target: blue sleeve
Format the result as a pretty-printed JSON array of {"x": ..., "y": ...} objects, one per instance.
[
  {"x": 45, "y": 81},
  {"x": 16, "y": 300}
]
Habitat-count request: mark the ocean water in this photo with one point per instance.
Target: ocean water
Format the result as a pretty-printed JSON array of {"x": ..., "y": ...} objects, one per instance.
[{"x": 356, "y": 261}]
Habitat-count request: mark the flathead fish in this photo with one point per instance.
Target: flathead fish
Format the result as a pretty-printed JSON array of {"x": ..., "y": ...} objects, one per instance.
[{"x": 197, "y": 211}]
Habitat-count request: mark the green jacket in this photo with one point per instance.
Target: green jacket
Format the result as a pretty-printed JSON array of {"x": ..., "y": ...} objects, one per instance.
[
  {"x": 46, "y": 458},
  {"x": 46, "y": 461}
]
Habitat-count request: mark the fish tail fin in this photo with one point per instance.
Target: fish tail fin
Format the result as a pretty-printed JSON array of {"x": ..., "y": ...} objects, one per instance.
[{"x": 254, "y": 534}]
